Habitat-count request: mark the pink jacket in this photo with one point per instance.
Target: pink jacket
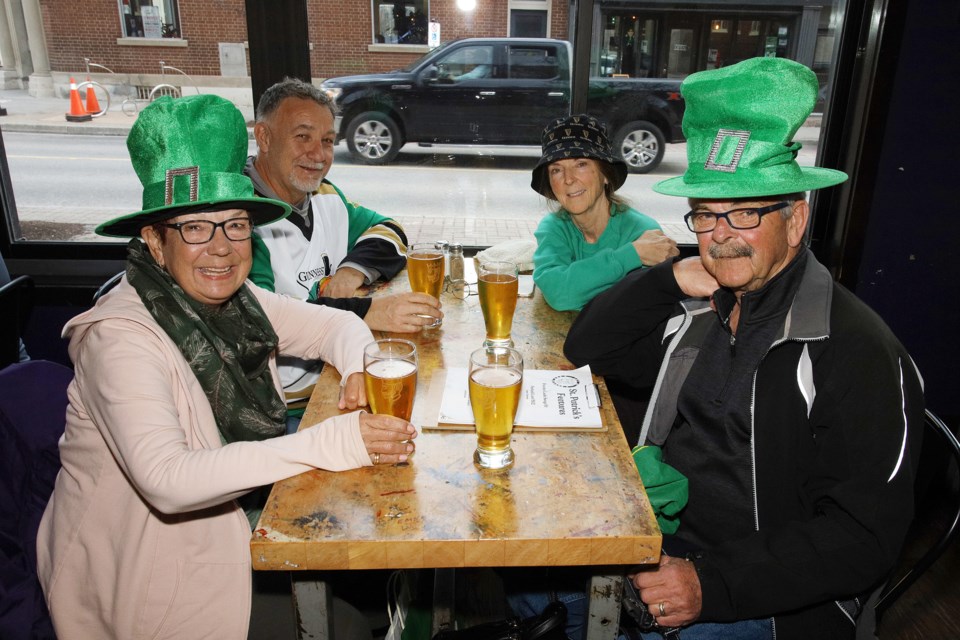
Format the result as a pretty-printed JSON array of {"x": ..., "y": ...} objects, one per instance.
[{"x": 142, "y": 537}]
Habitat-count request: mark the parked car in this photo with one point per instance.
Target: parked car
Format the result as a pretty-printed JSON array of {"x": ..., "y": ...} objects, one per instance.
[{"x": 498, "y": 91}]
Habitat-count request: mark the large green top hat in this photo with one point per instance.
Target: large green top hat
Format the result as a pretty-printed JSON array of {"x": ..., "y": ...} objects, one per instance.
[
  {"x": 189, "y": 154},
  {"x": 739, "y": 123}
]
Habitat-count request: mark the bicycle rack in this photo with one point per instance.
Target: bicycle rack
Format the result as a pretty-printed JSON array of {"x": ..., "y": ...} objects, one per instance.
[{"x": 166, "y": 89}]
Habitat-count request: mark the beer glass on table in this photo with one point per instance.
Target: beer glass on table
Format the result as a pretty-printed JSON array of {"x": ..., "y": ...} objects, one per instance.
[
  {"x": 497, "y": 284},
  {"x": 425, "y": 270},
  {"x": 496, "y": 376},
  {"x": 390, "y": 376}
]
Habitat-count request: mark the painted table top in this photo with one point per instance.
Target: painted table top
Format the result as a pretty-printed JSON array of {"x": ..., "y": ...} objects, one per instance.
[{"x": 569, "y": 499}]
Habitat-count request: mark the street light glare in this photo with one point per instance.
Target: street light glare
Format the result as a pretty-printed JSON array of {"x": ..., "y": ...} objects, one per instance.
[{"x": 466, "y": 5}]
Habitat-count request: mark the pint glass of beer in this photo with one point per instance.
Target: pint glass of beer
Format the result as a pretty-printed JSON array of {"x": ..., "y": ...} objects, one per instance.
[
  {"x": 390, "y": 376},
  {"x": 496, "y": 375},
  {"x": 497, "y": 283},
  {"x": 425, "y": 270}
]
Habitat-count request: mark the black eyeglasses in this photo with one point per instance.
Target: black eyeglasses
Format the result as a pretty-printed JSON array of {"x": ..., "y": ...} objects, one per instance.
[
  {"x": 201, "y": 231},
  {"x": 704, "y": 221}
]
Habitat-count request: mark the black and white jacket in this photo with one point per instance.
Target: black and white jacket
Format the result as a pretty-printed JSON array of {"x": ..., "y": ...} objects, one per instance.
[{"x": 837, "y": 419}]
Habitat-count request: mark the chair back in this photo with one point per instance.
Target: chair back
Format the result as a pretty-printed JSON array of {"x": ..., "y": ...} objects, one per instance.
[
  {"x": 942, "y": 434},
  {"x": 16, "y": 300},
  {"x": 106, "y": 286},
  {"x": 33, "y": 404}
]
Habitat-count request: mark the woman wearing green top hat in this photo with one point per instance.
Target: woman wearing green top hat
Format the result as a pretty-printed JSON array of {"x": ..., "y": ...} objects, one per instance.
[
  {"x": 175, "y": 416},
  {"x": 594, "y": 238}
]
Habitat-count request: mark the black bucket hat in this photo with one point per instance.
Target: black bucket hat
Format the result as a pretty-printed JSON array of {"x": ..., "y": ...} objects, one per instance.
[{"x": 578, "y": 136}]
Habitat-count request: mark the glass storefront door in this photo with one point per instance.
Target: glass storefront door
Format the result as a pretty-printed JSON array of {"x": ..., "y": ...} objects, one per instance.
[
  {"x": 628, "y": 43},
  {"x": 680, "y": 51}
]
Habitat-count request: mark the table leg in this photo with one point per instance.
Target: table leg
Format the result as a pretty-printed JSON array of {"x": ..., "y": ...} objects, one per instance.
[
  {"x": 444, "y": 592},
  {"x": 606, "y": 592},
  {"x": 313, "y": 606}
]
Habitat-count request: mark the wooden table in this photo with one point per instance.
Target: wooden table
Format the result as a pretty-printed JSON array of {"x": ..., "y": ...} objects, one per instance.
[{"x": 569, "y": 499}]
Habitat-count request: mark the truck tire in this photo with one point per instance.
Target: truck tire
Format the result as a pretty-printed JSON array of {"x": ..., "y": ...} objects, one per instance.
[
  {"x": 373, "y": 138},
  {"x": 641, "y": 145}
]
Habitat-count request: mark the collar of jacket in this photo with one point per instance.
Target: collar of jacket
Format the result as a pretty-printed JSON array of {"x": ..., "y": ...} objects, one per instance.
[{"x": 809, "y": 315}]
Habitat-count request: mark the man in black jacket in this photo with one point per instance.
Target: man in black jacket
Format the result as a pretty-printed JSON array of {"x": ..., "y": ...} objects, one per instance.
[{"x": 793, "y": 411}]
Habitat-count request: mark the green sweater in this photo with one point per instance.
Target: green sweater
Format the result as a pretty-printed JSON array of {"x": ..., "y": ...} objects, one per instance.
[{"x": 570, "y": 271}]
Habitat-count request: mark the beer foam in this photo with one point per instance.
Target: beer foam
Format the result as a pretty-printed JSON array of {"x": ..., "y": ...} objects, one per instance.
[
  {"x": 391, "y": 368},
  {"x": 496, "y": 377}
]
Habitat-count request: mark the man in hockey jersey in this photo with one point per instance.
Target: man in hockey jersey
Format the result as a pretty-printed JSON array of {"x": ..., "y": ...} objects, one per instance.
[{"x": 329, "y": 246}]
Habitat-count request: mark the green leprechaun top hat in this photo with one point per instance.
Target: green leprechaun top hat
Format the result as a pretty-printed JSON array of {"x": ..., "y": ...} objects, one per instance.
[
  {"x": 739, "y": 123},
  {"x": 189, "y": 154}
]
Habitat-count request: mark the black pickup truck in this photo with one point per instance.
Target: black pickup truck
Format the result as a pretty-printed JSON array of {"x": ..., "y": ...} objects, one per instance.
[{"x": 498, "y": 91}]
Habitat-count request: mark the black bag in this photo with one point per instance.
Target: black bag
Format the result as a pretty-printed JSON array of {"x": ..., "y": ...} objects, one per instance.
[{"x": 549, "y": 625}]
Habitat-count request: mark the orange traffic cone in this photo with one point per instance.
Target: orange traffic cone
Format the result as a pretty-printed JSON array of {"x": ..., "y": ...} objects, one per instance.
[
  {"x": 93, "y": 105},
  {"x": 77, "y": 112}
]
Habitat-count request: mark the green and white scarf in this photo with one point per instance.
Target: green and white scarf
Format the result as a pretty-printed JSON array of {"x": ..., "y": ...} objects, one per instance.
[{"x": 227, "y": 347}]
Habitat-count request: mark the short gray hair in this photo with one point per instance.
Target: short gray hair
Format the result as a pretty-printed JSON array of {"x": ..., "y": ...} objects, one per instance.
[{"x": 290, "y": 88}]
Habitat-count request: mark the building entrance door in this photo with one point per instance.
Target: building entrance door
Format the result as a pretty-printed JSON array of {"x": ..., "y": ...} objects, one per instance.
[{"x": 679, "y": 55}]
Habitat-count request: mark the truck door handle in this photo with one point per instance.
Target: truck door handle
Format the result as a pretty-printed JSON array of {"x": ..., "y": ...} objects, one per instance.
[
  {"x": 488, "y": 93},
  {"x": 555, "y": 94}
]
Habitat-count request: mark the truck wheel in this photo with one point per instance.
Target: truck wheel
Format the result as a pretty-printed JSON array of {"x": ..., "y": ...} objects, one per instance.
[
  {"x": 641, "y": 145},
  {"x": 373, "y": 138}
]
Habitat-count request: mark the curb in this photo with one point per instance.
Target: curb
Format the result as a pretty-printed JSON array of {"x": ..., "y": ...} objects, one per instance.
[
  {"x": 79, "y": 128},
  {"x": 65, "y": 128}
]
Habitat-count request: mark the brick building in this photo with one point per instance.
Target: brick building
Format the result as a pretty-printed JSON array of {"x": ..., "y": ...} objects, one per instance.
[
  {"x": 47, "y": 40},
  {"x": 132, "y": 37}
]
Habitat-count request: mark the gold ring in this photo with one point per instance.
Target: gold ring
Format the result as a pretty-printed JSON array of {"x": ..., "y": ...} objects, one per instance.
[
  {"x": 376, "y": 460},
  {"x": 662, "y": 613}
]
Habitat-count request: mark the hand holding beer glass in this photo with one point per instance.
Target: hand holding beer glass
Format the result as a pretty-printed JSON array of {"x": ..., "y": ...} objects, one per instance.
[
  {"x": 390, "y": 376},
  {"x": 425, "y": 270},
  {"x": 497, "y": 283},
  {"x": 496, "y": 376}
]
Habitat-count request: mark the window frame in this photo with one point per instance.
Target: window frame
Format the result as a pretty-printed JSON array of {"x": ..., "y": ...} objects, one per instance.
[
  {"x": 77, "y": 264},
  {"x": 124, "y": 23},
  {"x": 375, "y": 19}
]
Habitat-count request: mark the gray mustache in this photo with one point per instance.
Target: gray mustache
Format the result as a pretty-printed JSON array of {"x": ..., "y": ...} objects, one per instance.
[{"x": 718, "y": 251}]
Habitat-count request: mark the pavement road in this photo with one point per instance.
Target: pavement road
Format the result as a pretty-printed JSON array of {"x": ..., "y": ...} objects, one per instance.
[{"x": 81, "y": 180}]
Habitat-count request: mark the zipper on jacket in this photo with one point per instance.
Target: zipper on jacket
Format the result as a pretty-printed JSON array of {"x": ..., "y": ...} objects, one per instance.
[{"x": 753, "y": 418}]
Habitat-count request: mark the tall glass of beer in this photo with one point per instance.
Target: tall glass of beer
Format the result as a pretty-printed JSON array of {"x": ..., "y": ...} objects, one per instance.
[
  {"x": 425, "y": 270},
  {"x": 390, "y": 376},
  {"x": 496, "y": 376},
  {"x": 497, "y": 283}
]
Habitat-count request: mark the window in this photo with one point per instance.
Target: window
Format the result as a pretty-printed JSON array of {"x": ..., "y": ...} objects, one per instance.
[
  {"x": 144, "y": 19},
  {"x": 533, "y": 63},
  {"x": 400, "y": 22},
  {"x": 462, "y": 167},
  {"x": 467, "y": 63}
]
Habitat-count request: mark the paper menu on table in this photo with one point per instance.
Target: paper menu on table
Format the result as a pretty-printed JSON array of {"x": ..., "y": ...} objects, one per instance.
[{"x": 548, "y": 399}]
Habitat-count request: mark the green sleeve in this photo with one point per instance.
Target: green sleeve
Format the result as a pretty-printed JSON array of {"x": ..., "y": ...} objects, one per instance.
[
  {"x": 568, "y": 283},
  {"x": 261, "y": 273},
  {"x": 361, "y": 218}
]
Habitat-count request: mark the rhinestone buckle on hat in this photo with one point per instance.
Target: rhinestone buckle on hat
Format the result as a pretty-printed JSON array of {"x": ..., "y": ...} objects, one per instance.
[
  {"x": 193, "y": 172},
  {"x": 712, "y": 165}
]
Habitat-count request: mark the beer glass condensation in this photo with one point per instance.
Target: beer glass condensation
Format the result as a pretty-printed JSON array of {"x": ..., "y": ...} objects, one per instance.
[
  {"x": 390, "y": 376},
  {"x": 497, "y": 283},
  {"x": 425, "y": 270},
  {"x": 496, "y": 378}
]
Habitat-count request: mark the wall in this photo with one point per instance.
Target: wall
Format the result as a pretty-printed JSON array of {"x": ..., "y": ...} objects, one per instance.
[
  {"x": 75, "y": 30},
  {"x": 340, "y": 33},
  {"x": 909, "y": 272}
]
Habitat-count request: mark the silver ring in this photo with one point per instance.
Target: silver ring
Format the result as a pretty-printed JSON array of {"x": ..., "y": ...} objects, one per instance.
[
  {"x": 662, "y": 613},
  {"x": 376, "y": 460}
]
